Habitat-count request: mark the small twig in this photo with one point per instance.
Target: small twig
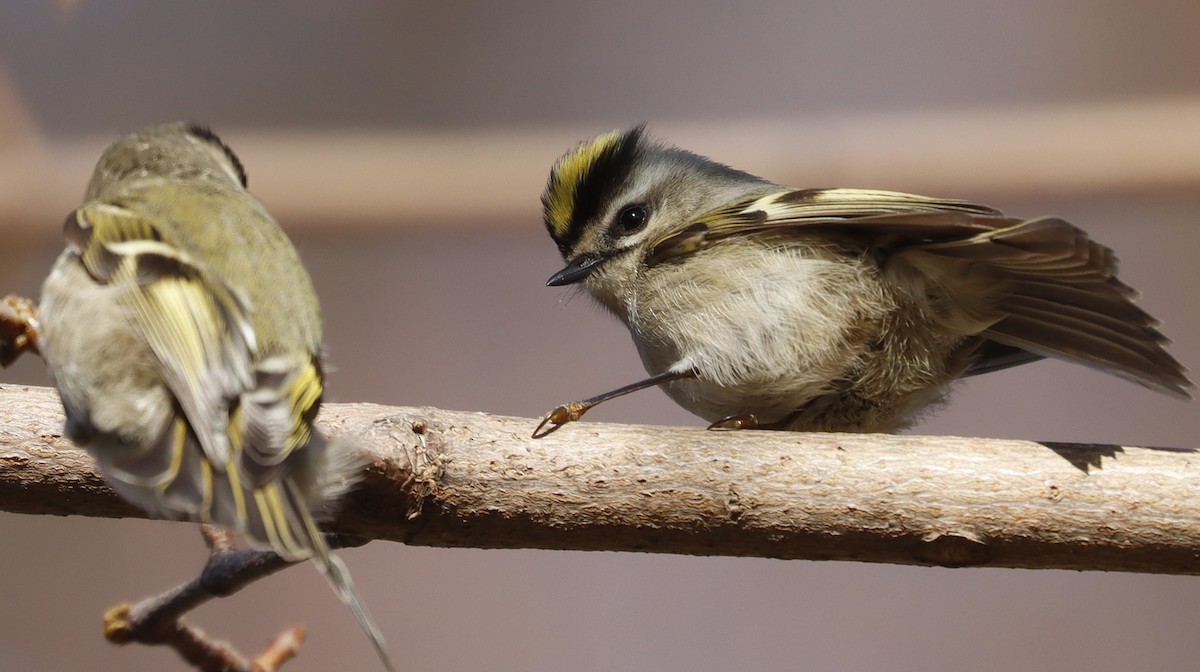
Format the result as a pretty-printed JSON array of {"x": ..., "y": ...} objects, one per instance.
[
  {"x": 200, "y": 650},
  {"x": 18, "y": 328},
  {"x": 191, "y": 643},
  {"x": 159, "y": 620},
  {"x": 217, "y": 539},
  {"x": 282, "y": 649}
]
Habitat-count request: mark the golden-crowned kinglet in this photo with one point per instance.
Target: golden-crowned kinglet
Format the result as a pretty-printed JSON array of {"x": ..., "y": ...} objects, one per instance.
[
  {"x": 184, "y": 337},
  {"x": 754, "y": 304}
]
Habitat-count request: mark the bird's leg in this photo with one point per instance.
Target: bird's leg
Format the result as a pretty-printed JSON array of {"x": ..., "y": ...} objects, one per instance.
[{"x": 575, "y": 410}]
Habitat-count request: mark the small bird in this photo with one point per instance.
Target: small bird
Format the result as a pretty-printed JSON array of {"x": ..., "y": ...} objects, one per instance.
[
  {"x": 184, "y": 335},
  {"x": 759, "y": 305}
]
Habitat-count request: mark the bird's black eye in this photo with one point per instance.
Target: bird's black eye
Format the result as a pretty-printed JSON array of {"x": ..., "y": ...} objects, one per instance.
[{"x": 632, "y": 219}]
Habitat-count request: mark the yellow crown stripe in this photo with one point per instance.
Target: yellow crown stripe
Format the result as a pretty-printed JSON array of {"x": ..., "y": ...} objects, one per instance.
[{"x": 568, "y": 174}]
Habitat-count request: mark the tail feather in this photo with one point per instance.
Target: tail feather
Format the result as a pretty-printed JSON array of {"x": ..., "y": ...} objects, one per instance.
[
  {"x": 174, "y": 479},
  {"x": 338, "y": 576},
  {"x": 1141, "y": 363},
  {"x": 1105, "y": 298},
  {"x": 1141, "y": 336},
  {"x": 1061, "y": 299},
  {"x": 335, "y": 572}
]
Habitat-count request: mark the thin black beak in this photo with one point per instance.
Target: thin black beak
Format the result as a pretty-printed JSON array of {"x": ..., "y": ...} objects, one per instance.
[{"x": 577, "y": 269}]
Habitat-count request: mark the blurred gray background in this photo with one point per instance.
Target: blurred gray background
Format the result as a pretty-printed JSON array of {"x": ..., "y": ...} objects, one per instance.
[{"x": 404, "y": 146}]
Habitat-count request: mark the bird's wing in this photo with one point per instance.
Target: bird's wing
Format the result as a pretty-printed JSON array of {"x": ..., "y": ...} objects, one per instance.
[
  {"x": 1040, "y": 286},
  {"x": 197, "y": 327}
]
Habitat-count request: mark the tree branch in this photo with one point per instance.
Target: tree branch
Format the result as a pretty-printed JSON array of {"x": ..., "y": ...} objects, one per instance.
[{"x": 442, "y": 478}]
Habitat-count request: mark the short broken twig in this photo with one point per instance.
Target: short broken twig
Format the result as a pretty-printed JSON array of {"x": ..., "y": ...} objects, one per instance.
[
  {"x": 18, "y": 328},
  {"x": 159, "y": 620}
]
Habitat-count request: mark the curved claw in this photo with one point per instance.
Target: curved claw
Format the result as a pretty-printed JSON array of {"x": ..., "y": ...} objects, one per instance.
[
  {"x": 559, "y": 417},
  {"x": 735, "y": 422}
]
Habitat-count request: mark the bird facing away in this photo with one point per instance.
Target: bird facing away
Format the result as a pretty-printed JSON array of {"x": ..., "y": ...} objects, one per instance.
[
  {"x": 759, "y": 305},
  {"x": 184, "y": 336}
]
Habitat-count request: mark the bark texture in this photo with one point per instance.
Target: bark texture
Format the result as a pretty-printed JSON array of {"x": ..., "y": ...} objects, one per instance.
[{"x": 447, "y": 478}]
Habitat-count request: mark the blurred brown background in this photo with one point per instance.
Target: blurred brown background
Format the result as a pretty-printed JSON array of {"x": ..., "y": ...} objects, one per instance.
[{"x": 404, "y": 146}]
